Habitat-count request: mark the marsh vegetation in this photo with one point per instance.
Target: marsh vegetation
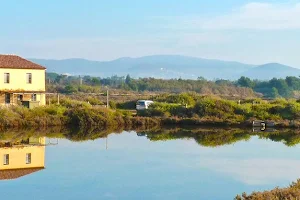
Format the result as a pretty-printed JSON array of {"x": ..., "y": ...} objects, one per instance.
[{"x": 168, "y": 109}]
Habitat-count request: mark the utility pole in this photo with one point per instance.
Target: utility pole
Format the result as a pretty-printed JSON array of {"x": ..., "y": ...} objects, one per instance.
[
  {"x": 49, "y": 100},
  {"x": 80, "y": 80},
  {"x": 106, "y": 143},
  {"x": 107, "y": 100},
  {"x": 57, "y": 98}
]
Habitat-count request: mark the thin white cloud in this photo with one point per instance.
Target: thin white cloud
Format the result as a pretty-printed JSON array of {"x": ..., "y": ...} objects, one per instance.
[
  {"x": 253, "y": 16},
  {"x": 108, "y": 48},
  {"x": 196, "y": 39},
  {"x": 252, "y": 171},
  {"x": 259, "y": 16}
]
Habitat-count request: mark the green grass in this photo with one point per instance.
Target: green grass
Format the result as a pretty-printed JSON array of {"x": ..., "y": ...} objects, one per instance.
[{"x": 202, "y": 111}]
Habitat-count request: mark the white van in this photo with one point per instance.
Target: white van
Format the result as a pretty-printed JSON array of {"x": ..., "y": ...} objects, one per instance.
[{"x": 143, "y": 104}]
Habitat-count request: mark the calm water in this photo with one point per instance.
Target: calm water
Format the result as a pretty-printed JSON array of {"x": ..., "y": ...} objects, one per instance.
[{"x": 127, "y": 166}]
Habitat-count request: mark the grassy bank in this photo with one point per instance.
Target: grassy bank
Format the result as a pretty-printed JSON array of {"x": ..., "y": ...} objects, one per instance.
[
  {"x": 291, "y": 192},
  {"x": 183, "y": 109},
  {"x": 209, "y": 110},
  {"x": 70, "y": 113}
]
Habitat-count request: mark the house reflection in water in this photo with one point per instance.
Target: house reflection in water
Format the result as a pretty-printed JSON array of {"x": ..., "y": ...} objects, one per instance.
[{"x": 21, "y": 158}]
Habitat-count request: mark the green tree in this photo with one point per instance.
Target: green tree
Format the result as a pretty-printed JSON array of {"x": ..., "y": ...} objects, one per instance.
[
  {"x": 70, "y": 89},
  {"x": 201, "y": 78},
  {"x": 274, "y": 93},
  {"x": 95, "y": 81},
  {"x": 293, "y": 82},
  {"x": 245, "y": 82},
  {"x": 128, "y": 79}
]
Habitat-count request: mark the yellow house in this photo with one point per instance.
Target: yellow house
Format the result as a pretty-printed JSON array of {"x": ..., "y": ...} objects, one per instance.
[
  {"x": 23, "y": 158},
  {"x": 21, "y": 81}
]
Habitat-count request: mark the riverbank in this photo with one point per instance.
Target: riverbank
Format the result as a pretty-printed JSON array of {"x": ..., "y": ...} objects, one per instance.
[
  {"x": 209, "y": 110},
  {"x": 291, "y": 192},
  {"x": 78, "y": 116},
  {"x": 168, "y": 110},
  {"x": 82, "y": 116}
]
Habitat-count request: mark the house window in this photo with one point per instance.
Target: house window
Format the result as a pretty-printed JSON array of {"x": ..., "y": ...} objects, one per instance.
[
  {"x": 6, "y": 77},
  {"x": 28, "y": 158},
  {"x": 7, "y": 98},
  {"x": 6, "y": 159},
  {"x": 33, "y": 98},
  {"x": 20, "y": 97},
  {"x": 28, "y": 78}
]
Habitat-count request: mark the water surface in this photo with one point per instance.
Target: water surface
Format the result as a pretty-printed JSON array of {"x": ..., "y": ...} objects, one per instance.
[{"x": 128, "y": 166}]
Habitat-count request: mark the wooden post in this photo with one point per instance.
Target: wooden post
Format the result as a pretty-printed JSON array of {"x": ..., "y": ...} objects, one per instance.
[
  {"x": 80, "y": 80},
  {"x": 57, "y": 99},
  {"x": 49, "y": 101},
  {"x": 106, "y": 143},
  {"x": 107, "y": 100}
]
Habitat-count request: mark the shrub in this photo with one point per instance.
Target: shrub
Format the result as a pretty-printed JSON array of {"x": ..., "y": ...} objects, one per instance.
[
  {"x": 129, "y": 105},
  {"x": 291, "y": 192},
  {"x": 112, "y": 105},
  {"x": 94, "y": 101}
]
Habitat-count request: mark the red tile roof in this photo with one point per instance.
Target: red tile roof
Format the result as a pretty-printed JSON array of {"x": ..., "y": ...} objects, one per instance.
[
  {"x": 16, "y": 62},
  {"x": 10, "y": 174}
]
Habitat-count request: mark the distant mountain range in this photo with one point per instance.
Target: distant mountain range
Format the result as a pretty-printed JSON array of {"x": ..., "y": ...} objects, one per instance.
[
  {"x": 271, "y": 70},
  {"x": 168, "y": 66}
]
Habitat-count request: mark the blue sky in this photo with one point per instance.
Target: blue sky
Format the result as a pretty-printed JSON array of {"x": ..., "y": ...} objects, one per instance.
[{"x": 254, "y": 32}]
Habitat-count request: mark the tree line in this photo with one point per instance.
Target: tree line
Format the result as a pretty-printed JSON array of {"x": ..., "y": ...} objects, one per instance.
[{"x": 243, "y": 86}]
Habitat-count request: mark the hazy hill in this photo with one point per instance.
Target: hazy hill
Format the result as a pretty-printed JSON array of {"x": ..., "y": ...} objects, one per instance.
[
  {"x": 271, "y": 70},
  {"x": 166, "y": 66}
]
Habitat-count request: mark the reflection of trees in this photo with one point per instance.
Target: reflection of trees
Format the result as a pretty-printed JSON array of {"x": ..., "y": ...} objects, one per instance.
[
  {"x": 288, "y": 137},
  {"x": 204, "y": 137},
  {"x": 77, "y": 134},
  {"x": 92, "y": 133},
  {"x": 73, "y": 134},
  {"x": 224, "y": 138},
  {"x": 70, "y": 133},
  {"x": 17, "y": 135},
  {"x": 219, "y": 137}
]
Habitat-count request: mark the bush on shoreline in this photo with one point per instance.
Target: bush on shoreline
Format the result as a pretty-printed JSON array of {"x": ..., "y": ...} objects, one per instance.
[
  {"x": 69, "y": 113},
  {"x": 291, "y": 192},
  {"x": 201, "y": 110},
  {"x": 216, "y": 109}
]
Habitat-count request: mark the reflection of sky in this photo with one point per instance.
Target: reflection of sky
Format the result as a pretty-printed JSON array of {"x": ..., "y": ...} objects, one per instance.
[{"x": 135, "y": 168}]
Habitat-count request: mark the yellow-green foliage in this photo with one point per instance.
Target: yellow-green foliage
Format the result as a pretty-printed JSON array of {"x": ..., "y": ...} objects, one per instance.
[
  {"x": 70, "y": 103},
  {"x": 73, "y": 113},
  {"x": 231, "y": 110},
  {"x": 201, "y": 110},
  {"x": 90, "y": 117},
  {"x": 89, "y": 89},
  {"x": 18, "y": 116},
  {"x": 291, "y": 192},
  {"x": 164, "y": 110},
  {"x": 93, "y": 100},
  {"x": 112, "y": 105},
  {"x": 183, "y": 99}
]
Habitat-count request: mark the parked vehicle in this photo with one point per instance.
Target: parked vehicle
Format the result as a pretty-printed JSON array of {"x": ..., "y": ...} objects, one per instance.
[{"x": 143, "y": 104}]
